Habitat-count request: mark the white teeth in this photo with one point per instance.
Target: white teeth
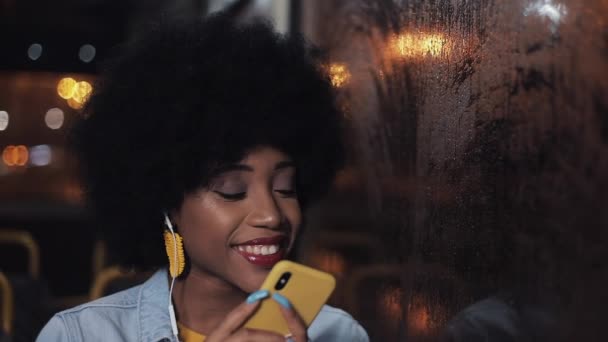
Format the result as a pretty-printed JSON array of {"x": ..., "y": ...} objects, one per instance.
[{"x": 259, "y": 249}]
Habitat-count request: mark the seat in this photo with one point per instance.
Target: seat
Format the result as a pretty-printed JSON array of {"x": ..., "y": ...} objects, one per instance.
[
  {"x": 25, "y": 240},
  {"x": 29, "y": 293},
  {"x": 99, "y": 260},
  {"x": 7, "y": 302},
  {"x": 114, "y": 279}
]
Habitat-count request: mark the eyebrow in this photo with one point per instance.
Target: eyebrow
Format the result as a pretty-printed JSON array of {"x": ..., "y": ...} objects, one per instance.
[{"x": 243, "y": 167}]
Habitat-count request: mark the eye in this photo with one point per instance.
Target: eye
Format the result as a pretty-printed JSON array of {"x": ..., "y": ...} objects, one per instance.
[
  {"x": 287, "y": 193},
  {"x": 232, "y": 196}
]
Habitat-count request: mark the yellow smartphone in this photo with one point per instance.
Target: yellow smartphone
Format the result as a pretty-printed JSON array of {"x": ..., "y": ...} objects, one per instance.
[{"x": 306, "y": 288}]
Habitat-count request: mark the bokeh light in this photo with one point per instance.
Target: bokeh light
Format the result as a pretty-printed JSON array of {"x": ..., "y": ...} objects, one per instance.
[
  {"x": 87, "y": 53},
  {"x": 66, "y": 88},
  {"x": 418, "y": 45},
  {"x": 40, "y": 155},
  {"x": 338, "y": 74},
  {"x": 76, "y": 93},
  {"x": 75, "y": 104},
  {"x": 54, "y": 118},
  {"x": 3, "y": 120},
  {"x": 22, "y": 155},
  {"x": 34, "y": 51},
  {"x": 15, "y": 155},
  {"x": 7, "y": 155},
  {"x": 82, "y": 91}
]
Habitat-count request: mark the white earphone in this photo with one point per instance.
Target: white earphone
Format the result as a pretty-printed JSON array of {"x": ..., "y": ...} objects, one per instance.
[{"x": 171, "y": 310}]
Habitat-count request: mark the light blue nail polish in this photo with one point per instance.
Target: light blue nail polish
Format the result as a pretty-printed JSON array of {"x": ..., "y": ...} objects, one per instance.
[
  {"x": 257, "y": 295},
  {"x": 281, "y": 300},
  {"x": 289, "y": 339}
]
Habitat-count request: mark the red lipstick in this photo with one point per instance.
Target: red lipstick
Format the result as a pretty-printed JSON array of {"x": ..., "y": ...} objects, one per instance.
[{"x": 272, "y": 247}]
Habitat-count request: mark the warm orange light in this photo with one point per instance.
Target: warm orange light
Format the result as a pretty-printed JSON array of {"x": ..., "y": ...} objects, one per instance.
[
  {"x": 391, "y": 303},
  {"x": 15, "y": 155},
  {"x": 75, "y": 104},
  {"x": 22, "y": 155},
  {"x": 66, "y": 88},
  {"x": 330, "y": 262},
  {"x": 7, "y": 155},
  {"x": 416, "y": 45},
  {"x": 82, "y": 91},
  {"x": 74, "y": 92},
  {"x": 73, "y": 193},
  {"x": 339, "y": 74},
  {"x": 418, "y": 320}
]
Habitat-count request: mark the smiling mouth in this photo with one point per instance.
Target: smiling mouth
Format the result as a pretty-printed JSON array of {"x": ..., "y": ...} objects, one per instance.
[
  {"x": 264, "y": 252},
  {"x": 259, "y": 249}
]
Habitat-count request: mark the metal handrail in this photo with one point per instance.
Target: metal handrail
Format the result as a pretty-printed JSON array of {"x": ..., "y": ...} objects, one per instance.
[{"x": 24, "y": 239}]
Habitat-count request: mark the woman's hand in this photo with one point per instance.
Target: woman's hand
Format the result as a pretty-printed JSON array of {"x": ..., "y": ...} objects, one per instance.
[
  {"x": 232, "y": 330},
  {"x": 294, "y": 321}
]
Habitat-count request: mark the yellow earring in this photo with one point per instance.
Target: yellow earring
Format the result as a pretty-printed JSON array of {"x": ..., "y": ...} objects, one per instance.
[{"x": 176, "y": 262}]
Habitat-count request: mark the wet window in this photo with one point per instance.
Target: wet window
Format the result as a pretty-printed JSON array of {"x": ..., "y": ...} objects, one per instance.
[{"x": 477, "y": 187}]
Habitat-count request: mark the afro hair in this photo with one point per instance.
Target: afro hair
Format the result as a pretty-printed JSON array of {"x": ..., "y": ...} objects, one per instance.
[{"x": 186, "y": 99}]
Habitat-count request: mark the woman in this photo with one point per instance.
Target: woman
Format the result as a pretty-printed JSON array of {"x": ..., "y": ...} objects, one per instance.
[{"x": 222, "y": 134}]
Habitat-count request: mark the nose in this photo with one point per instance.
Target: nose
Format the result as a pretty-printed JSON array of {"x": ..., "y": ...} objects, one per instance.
[{"x": 265, "y": 212}]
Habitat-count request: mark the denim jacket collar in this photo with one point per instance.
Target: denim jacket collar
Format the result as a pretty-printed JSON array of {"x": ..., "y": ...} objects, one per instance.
[
  {"x": 141, "y": 313},
  {"x": 154, "y": 322},
  {"x": 153, "y": 308}
]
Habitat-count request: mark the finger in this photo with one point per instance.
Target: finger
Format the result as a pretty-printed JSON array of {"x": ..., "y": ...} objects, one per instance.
[
  {"x": 253, "y": 335},
  {"x": 295, "y": 323},
  {"x": 241, "y": 313}
]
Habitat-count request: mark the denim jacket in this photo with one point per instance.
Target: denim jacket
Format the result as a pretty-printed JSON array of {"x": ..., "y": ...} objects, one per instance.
[{"x": 140, "y": 314}]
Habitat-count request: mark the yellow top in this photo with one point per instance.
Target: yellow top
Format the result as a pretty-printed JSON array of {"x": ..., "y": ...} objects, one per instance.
[{"x": 189, "y": 335}]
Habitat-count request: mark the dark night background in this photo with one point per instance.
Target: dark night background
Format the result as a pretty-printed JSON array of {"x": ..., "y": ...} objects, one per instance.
[{"x": 474, "y": 206}]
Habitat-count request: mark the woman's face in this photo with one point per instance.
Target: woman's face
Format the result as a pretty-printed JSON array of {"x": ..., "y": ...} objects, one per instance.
[{"x": 244, "y": 222}]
